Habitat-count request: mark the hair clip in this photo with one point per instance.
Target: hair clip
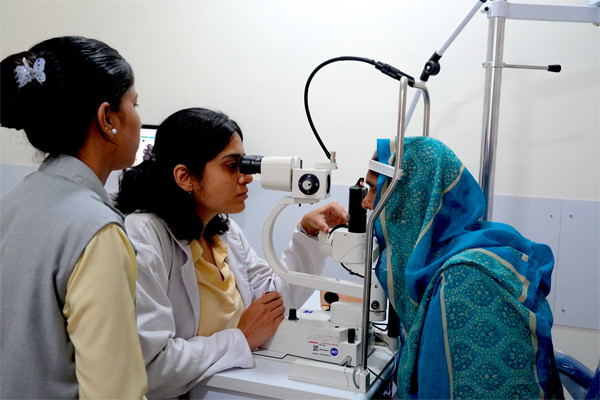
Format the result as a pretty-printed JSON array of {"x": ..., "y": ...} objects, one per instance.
[
  {"x": 25, "y": 74},
  {"x": 148, "y": 153}
]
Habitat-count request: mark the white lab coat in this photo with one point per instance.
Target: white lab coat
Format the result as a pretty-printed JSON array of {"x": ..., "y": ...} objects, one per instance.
[{"x": 168, "y": 302}]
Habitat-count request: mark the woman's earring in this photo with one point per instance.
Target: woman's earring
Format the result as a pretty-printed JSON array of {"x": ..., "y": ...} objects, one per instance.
[{"x": 113, "y": 131}]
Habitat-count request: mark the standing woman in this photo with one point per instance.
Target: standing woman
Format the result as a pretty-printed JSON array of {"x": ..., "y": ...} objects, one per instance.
[
  {"x": 67, "y": 268},
  {"x": 202, "y": 303}
]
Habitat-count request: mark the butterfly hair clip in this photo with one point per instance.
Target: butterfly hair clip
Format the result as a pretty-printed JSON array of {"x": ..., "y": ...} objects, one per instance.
[{"x": 25, "y": 74}]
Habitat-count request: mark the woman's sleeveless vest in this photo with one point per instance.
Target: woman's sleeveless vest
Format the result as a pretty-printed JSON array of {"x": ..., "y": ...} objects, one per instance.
[{"x": 47, "y": 221}]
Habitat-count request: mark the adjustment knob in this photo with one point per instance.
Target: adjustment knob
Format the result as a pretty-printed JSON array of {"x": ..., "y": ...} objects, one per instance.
[
  {"x": 308, "y": 184},
  {"x": 292, "y": 316}
]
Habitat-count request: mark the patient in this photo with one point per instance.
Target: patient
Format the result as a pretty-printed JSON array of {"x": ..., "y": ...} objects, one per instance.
[
  {"x": 470, "y": 295},
  {"x": 204, "y": 297}
]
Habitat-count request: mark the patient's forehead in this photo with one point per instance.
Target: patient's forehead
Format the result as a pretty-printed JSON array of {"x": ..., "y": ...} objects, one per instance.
[{"x": 371, "y": 178}]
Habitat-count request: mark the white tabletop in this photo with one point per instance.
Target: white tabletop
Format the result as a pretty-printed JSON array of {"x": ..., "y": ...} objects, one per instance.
[{"x": 269, "y": 379}]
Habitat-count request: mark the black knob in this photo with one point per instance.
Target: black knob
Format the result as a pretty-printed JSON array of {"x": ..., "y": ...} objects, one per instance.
[
  {"x": 331, "y": 297},
  {"x": 292, "y": 316},
  {"x": 351, "y": 335}
]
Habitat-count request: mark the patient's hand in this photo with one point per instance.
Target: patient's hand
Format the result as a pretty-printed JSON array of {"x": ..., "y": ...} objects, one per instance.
[
  {"x": 324, "y": 218},
  {"x": 260, "y": 320}
]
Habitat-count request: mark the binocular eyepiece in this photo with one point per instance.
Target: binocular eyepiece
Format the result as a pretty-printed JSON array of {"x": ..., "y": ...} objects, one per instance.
[
  {"x": 254, "y": 164},
  {"x": 250, "y": 164},
  {"x": 287, "y": 174}
]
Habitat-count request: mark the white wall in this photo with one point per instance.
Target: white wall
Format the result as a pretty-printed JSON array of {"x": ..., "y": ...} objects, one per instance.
[{"x": 251, "y": 59}]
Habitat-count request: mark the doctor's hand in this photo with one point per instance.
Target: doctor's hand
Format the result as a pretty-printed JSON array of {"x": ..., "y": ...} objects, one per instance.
[
  {"x": 260, "y": 320},
  {"x": 324, "y": 218}
]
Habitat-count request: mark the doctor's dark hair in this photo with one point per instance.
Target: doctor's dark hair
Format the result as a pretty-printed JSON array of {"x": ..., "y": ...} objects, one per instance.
[
  {"x": 191, "y": 137},
  {"x": 80, "y": 74}
]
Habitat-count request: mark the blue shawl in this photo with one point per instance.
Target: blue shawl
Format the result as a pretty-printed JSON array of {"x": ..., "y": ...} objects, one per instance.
[{"x": 470, "y": 295}]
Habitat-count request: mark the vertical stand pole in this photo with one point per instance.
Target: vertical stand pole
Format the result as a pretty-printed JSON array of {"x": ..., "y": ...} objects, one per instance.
[
  {"x": 375, "y": 214},
  {"x": 491, "y": 105}
]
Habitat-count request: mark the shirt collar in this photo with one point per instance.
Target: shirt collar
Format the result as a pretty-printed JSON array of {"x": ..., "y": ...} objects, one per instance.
[{"x": 218, "y": 246}]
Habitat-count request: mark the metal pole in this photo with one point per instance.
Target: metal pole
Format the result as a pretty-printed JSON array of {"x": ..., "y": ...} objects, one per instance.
[
  {"x": 491, "y": 106},
  {"x": 371, "y": 222},
  {"x": 440, "y": 52}
]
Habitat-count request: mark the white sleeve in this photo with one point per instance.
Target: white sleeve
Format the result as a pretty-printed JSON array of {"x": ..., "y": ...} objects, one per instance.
[
  {"x": 175, "y": 364},
  {"x": 302, "y": 255}
]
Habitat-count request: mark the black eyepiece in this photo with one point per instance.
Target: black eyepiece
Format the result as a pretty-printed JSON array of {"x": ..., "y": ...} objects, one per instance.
[
  {"x": 250, "y": 164},
  {"x": 357, "y": 223}
]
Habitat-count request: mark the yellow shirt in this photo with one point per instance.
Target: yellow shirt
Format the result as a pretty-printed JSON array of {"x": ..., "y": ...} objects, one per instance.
[
  {"x": 221, "y": 304},
  {"x": 100, "y": 313}
]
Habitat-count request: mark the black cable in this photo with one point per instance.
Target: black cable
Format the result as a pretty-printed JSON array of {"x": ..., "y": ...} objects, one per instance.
[
  {"x": 338, "y": 226},
  {"x": 380, "y": 326},
  {"x": 384, "y": 68},
  {"x": 342, "y": 264},
  {"x": 377, "y": 376},
  {"x": 350, "y": 271},
  {"x": 392, "y": 372},
  {"x": 310, "y": 121}
]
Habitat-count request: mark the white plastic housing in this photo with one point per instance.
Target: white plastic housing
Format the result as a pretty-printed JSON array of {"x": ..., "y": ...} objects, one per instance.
[{"x": 276, "y": 172}]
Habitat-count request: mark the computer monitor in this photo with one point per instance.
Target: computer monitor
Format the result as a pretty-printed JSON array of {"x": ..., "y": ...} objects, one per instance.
[{"x": 147, "y": 136}]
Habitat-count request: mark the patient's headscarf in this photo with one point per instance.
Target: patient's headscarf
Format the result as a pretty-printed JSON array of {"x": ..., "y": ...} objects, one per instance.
[
  {"x": 431, "y": 221},
  {"x": 433, "y": 214}
]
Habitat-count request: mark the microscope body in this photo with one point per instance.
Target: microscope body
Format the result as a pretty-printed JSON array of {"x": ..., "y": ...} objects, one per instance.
[{"x": 332, "y": 335}]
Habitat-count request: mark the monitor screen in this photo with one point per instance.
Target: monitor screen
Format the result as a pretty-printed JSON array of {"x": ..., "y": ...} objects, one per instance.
[{"x": 147, "y": 135}]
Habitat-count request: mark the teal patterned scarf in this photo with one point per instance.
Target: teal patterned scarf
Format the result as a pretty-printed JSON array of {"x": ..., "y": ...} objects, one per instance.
[{"x": 470, "y": 295}]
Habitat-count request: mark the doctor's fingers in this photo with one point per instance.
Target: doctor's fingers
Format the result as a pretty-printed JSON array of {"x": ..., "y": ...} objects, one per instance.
[
  {"x": 277, "y": 321},
  {"x": 274, "y": 305},
  {"x": 324, "y": 217},
  {"x": 336, "y": 214},
  {"x": 332, "y": 214},
  {"x": 329, "y": 221},
  {"x": 268, "y": 297},
  {"x": 278, "y": 311}
]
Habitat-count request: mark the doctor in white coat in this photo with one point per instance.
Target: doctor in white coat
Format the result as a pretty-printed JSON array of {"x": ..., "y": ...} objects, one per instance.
[{"x": 204, "y": 298}]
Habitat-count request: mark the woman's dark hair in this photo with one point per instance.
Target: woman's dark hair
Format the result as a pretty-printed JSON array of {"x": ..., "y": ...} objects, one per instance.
[
  {"x": 191, "y": 137},
  {"x": 80, "y": 74}
]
